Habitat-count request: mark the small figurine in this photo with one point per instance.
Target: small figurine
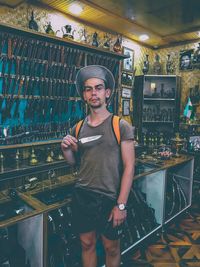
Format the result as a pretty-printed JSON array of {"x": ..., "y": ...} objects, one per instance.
[
  {"x": 32, "y": 23},
  {"x": 118, "y": 45},
  {"x": 49, "y": 29},
  {"x": 83, "y": 36},
  {"x": 33, "y": 158},
  {"x": 68, "y": 32},
  {"x": 196, "y": 58},
  {"x": 95, "y": 40},
  {"x": 106, "y": 43},
  {"x": 169, "y": 65},
  {"x": 50, "y": 156},
  {"x": 146, "y": 65}
]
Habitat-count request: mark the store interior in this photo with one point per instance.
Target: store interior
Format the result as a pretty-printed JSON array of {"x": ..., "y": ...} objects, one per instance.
[{"x": 153, "y": 51}]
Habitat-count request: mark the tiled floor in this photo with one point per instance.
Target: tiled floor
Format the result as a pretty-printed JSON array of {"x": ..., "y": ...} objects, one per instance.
[{"x": 178, "y": 246}]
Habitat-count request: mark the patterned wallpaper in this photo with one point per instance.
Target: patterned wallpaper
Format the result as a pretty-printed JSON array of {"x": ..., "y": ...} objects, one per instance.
[
  {"x": 188, "y": 78},
  {"x": 22, "y": 14}
]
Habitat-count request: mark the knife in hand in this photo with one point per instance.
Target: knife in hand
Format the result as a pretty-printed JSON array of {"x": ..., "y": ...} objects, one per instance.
[{"x": 89, "y": 139}]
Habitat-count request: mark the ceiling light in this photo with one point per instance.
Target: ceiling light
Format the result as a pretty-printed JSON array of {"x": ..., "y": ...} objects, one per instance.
[
  {"x": 75, "y": 9},
  {"x": 143, "y": 37}
]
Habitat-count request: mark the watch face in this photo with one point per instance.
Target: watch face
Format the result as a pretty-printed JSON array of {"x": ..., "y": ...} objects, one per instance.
[{"x": 121, "y": 207}]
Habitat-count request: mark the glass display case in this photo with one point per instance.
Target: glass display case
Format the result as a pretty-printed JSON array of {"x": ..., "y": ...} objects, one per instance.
[
  {"x": 156, "y": 111},
  {"x": 145, "y": 209},
  {"x": 178, "y": 197}
]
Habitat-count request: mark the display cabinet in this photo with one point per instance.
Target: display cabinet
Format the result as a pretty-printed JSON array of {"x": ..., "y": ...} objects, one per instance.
[
  {"x": 21, "y": 243},
  {"x": 178, "y": 192},
  {"x": 145, "y": 208},
  {"x": 26, "y": 204},
  {"x": 160, "y": 193},
  {"x": 40, "y": 206},
  {"x": 191, "y": 132},
  {"x": 156, "y": 108}
]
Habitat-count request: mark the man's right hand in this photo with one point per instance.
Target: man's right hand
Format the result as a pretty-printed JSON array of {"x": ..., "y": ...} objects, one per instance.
[{"x": 69, "y": 142}]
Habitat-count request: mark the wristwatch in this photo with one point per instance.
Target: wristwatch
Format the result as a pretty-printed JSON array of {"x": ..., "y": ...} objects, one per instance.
[{"x": 121, "y": 206}]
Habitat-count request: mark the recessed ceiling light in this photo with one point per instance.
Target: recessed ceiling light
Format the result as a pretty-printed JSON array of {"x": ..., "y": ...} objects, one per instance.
[
  {"x": 75, "y": 9},
  {"x": 143, "y": 37}
]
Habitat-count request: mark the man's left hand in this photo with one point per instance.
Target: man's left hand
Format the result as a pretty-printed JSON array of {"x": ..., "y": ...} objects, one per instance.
[{"x": 118, "y": 216}]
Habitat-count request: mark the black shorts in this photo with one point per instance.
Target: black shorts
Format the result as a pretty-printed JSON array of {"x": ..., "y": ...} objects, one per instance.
[{"x": 91, "y": 211}]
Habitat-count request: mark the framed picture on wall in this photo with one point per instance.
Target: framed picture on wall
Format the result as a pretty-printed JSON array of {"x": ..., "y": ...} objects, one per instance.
[
  {"x": 125, "y": 107},
  {"x": 126, "y": 92},
  {"x": 126, "y": 79},
  {"x": 128, "y": 62},
  {"x": 185, "y": 59}
]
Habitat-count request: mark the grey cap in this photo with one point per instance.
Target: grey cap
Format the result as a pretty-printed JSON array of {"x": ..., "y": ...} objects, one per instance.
[{"x": 94, "y": 71}]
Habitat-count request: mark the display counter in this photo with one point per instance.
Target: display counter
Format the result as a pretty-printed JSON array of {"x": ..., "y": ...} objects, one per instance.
[{"x": 41, "y": 213}]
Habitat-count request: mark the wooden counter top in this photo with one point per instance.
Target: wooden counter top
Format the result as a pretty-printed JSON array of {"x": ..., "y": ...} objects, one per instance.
[{"x": 162, "y": 164}]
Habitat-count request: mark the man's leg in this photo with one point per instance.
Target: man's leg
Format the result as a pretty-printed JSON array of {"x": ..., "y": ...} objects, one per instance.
[
  {"x": 112, "y": 250},
  {"x": 88, "y": 243}
]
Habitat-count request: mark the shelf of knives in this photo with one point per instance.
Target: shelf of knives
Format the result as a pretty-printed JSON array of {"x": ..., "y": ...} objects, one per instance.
[
  {"x": 50, "y": 56},
  {"x": 35, "y": 53},
  {"x": 15, "y": 86},
  {"x": 37, "y": 85}
]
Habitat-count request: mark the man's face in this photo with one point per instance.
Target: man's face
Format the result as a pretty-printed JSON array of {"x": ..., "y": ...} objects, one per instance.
[{"x": 95, "y": 93}]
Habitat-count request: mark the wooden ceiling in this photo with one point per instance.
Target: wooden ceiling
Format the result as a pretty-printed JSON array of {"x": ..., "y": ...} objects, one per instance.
[{"x": 167, "y": 23}]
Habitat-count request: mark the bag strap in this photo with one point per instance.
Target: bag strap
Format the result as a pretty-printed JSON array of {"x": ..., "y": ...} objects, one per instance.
[
  {"x": 116, "y": 128},
  {"x": 78, "y": 128}
]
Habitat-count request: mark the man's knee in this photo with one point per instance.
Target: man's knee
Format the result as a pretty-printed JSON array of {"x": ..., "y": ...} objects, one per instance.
[
  {"x": 112, "y": 249},
  {"x": 88, "y": 243}
]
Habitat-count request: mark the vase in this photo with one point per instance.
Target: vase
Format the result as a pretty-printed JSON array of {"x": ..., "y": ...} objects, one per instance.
[
  {"x": 117, "y": 47},
  {"x": 95, "y": 40},
  {"x": 157, "y": 66},
  {"x": 196, "y": 58},
  {"x": 146, "y": 65},
  {"x": 32, "y": 23},
  {"x": 169, "y": 65}
]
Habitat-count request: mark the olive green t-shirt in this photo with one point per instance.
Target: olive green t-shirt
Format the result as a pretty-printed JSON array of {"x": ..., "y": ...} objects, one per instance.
[{"x": 100, "y": 160}]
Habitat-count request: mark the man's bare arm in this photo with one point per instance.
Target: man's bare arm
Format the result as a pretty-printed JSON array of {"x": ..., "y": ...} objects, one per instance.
[{"x": 128, "y": 158}]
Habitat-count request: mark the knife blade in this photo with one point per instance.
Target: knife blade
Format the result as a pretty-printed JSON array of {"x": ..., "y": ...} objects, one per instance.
[{"x": 89, "y": 139}]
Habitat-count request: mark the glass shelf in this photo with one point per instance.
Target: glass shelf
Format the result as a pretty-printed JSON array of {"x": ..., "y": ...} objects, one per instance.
[
  {"x": 23, "y": 168},
  {"x": 158, "y": 121},
  {"x": 158, "y": 99}
]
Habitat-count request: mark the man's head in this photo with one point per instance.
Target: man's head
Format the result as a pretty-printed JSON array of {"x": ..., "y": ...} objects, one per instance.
[
  {"x": 96, "y": 93},
  {"x": 97, "y": 77}
]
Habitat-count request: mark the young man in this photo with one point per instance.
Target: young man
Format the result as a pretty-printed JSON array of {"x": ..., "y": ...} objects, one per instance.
[{"x": 106, "y": 169}]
